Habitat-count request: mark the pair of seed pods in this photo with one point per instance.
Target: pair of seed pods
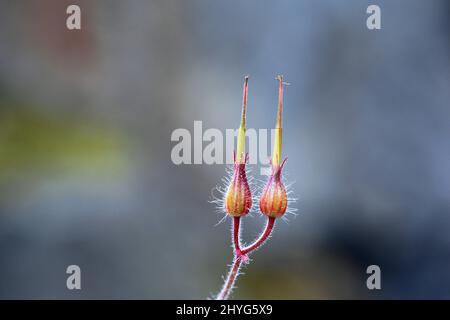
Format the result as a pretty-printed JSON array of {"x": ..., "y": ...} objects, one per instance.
[{"x": 238, "y": 196}]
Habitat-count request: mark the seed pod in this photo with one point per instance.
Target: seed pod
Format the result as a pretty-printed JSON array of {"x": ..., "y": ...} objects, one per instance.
[
  {"x": 273, "y": 201},
  {"x": 238, "y": 198}
]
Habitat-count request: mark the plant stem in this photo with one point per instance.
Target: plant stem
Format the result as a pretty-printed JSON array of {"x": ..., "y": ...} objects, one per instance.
[
  {"x": 231, "y": 278},
  {"x": 236, "y": 242},
  {"x": 264, "y": 236},
  {"x": 241, "y": 254}
]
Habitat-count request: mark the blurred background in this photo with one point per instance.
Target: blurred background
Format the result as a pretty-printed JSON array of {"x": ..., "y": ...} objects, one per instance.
[{"x": 86, "y": 176}]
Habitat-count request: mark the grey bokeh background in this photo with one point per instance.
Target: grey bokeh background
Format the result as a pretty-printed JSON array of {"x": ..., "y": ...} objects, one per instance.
[{"x": 86, "y": 176}]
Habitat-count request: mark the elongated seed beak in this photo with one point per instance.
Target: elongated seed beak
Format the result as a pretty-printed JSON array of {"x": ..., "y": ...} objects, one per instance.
[
  {"x": 276, "y": 154},
  {"x": 240, "y": 153}
]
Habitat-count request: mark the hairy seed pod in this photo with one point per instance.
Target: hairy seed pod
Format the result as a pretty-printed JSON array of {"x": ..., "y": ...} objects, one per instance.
[
  {"x": 273, "y": 201},
  {"x": 238, "y": 198}
]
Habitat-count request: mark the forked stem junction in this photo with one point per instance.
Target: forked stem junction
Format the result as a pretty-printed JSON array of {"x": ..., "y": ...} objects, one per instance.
[{"x": 241, "y": 254}]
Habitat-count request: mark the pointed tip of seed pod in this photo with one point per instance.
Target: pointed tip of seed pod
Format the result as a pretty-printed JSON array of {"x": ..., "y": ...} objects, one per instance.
[
  {"x": 276, "y": 156},
  {"x": 244, "y": 101},
  {"x": 242, "y": 129},
  {"x": 280, "y": 102}
]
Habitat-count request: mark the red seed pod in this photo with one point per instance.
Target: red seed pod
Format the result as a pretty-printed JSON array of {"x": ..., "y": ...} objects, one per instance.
[
  {"x": 273, "y": 201},
  {"x": 238, "y": 198}
]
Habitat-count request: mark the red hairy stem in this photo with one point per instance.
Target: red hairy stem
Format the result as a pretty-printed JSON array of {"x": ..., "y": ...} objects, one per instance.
[
  {"x": 264, "y": 236},
  {"x": 231, "y": 278},
  {"x": 232, "y": 275},
  {"x": 236, "y": 242},
  {"x": 240, "y": 255}
]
